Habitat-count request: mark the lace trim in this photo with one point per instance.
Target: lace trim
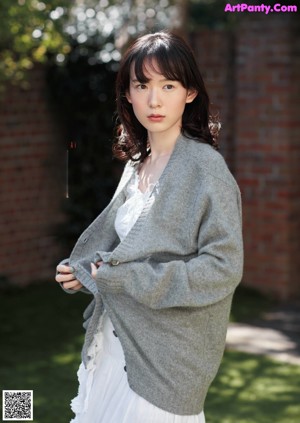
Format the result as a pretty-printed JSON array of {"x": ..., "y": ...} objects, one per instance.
[
  {"x": 129, "y": 212},
  {"x": 79, "y": 404}
]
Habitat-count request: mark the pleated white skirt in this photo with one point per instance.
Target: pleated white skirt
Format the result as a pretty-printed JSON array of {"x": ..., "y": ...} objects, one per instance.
[{"x": 104, "y": 395}]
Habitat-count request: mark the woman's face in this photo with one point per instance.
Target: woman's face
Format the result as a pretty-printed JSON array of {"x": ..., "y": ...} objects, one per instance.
[{"x": 159, "y": 103}]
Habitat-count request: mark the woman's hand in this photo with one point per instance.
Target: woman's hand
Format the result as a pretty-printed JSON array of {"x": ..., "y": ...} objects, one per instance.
[
  {"x": 66, "y": 278},
  {"x": 95, "y": 267}
]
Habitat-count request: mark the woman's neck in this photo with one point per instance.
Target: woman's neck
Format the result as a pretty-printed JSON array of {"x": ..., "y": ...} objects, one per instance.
[{"x": 162, "y": 144}]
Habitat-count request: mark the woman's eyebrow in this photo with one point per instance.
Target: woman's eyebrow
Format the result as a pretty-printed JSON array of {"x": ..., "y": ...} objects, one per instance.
[
  {"x": 135, "y": 80},
  {"x": 149, "y": 80}
]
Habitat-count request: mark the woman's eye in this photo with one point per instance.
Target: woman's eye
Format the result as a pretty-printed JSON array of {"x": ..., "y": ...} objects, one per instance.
[
  {"x": 168, "y": 87},
  {"x": 141, "y": 86}
]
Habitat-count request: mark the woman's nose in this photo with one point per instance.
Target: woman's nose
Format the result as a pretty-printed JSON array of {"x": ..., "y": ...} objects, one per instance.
[{"x": 154, "y": 100}]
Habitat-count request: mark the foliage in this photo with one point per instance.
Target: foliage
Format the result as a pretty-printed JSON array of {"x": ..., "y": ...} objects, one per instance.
[
  {"x": 30, "y": 30},
  {"x": 34, "y": 30},
  {"x": 111, "y": 24},
  {"x": 42, "y": 336}
]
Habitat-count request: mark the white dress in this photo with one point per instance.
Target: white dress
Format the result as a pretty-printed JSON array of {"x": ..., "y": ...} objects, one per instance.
[{"x": 104, "y": 395}]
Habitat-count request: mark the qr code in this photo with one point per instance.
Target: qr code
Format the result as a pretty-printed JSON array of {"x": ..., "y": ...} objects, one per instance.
[{"x": 17, "y": 405}]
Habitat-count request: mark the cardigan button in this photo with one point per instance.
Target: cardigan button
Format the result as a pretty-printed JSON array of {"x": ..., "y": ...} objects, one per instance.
[
  {"x": 115, "y": 333},
  {"x": 114, "y": 262},
  {"x": 125, "y": 369}
]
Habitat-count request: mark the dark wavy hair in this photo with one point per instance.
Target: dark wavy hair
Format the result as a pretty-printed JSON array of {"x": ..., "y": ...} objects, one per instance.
[{"x": 176, "y": 62}]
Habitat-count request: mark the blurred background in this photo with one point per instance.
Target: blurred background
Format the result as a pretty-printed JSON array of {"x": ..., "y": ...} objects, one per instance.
[{"x": 58, "y": 64}]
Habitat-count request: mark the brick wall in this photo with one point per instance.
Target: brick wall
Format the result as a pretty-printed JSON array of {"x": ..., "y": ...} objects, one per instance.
[
  {"x": 31, "y": 183},
  {"x": 214, "y": 50},
  {"x": 256, "y": 83},
  {"x": 294, "y": 141}
]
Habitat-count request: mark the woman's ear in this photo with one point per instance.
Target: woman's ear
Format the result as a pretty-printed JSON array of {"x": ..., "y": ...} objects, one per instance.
[
  {"x": 128, "y": 96},
  {"x": 191, "y": 95}
]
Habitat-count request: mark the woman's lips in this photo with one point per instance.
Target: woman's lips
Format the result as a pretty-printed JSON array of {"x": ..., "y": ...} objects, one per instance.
[{"x": 155, "y": 118}]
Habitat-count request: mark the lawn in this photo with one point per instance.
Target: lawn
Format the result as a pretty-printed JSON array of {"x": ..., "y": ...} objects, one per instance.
[{"x": 41, "y": 338}]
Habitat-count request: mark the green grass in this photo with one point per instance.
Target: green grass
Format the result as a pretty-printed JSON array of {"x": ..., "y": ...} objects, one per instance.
[
  {"x": 41, "y": 338},
  {"x": 254, "y": 389}
]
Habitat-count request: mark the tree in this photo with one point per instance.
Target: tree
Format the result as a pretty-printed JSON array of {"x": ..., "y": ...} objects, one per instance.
[
  {"x": 30, "y": 31},
  {"x": 36, "y": 30}
]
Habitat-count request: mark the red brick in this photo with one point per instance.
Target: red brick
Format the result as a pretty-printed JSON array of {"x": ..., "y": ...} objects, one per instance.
[{"x": 30, "y": 195}]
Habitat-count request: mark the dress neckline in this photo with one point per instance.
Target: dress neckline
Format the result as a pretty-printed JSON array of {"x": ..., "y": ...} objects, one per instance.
[
  {"x": 151, "y": 186},
  {"x": 137, "y": 182},
  {"x": 152, "y": 192}
]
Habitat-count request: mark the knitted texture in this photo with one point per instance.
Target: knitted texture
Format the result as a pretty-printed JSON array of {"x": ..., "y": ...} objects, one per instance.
[{"x": 168, "y": 285}]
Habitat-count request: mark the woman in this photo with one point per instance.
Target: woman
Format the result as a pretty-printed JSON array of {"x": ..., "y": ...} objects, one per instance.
[{"x": 164, "y": 258}]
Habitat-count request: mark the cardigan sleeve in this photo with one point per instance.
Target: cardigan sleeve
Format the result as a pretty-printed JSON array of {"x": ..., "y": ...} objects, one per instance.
[
  {"x": 72, "y": 291},
  {"x": 203, "y": 280},
  {"x": 126, "y": 174}
]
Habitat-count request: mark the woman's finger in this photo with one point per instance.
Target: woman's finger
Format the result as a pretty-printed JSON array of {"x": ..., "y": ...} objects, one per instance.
[
  {"x": 94, "y": 270},
  {"x": 62, "y": 268},
  {"x": 75, "y": 285},
  {"x": 64, "y": 277}
]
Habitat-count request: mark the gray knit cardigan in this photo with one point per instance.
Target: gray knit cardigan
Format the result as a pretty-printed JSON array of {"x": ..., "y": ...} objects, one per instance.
[{"x": 168, "y": 286}]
